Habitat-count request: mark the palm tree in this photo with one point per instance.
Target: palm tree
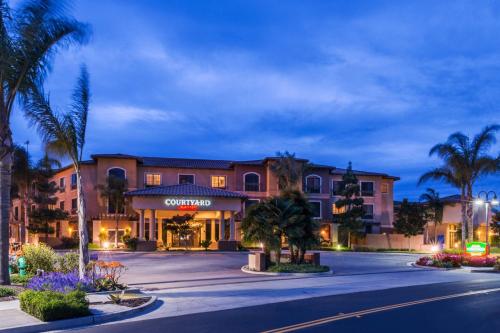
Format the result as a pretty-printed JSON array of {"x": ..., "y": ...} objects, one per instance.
[
  {"x": 64, "y": 134},
  {"x": 21, "y": 174},
  {"x": 288, "y": 170},
  {"x": 465, "y": 161},
  {"x": 434, "y": 208},
  {"x": 114, "y": 193},
  {"x": 29, "y": 39}
]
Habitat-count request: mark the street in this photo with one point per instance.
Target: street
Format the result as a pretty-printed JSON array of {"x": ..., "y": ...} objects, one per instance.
[{"x": 458, "y": 311}]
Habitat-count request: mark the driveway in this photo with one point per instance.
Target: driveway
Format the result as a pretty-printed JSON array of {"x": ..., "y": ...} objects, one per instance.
[{"x": 175, "y": 269}]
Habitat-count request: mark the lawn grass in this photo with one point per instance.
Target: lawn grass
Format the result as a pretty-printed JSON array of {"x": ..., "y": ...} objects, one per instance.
[{"x": 294, "y": 268}]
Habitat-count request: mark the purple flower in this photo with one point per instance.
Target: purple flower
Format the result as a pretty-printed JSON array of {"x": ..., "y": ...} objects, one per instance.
[{"x": 62, "y": 282}]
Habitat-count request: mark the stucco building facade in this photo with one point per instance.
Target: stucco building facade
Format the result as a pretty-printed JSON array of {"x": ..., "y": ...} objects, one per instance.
[{"x": 216, "y": 192}]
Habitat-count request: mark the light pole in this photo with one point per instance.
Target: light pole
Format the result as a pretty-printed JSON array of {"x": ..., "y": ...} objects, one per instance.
[{"x": 483, "y": 197}]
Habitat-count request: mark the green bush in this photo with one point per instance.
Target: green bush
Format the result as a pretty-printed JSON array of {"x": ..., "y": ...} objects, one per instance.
[
  {"x": 94, "y": 246},
  {"x": 39, "y": 256},
  {"x": 68, "y": 262},
  {"x": 294, "y": 268},
  {"x": 205, "y": 244},
  {"x": 52, "y": 305},
  {"x": 18, "y": 279},
  {"x": 4, "y": 292}
]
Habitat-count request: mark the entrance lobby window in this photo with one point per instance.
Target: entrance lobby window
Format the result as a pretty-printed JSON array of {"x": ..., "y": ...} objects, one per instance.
[
  {"x": 186, "y": 179},
  {"x": 251, "y": 181},
  {"x": 153, "y": 179},
  {"x": 218, "y": 181}
]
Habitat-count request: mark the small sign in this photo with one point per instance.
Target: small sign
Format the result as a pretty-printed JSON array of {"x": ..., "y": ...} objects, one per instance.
[
  {"x": 187, "y": 204},
  {"x": 476, "y": 248}
]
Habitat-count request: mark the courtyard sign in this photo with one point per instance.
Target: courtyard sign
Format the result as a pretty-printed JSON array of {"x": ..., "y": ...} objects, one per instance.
[
  {"x": 187, "y": 204},
  {"x": 476, "y": 248}
]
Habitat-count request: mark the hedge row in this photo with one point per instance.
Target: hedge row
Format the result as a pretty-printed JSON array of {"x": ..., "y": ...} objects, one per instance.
[{"x": 51, "y": 305}]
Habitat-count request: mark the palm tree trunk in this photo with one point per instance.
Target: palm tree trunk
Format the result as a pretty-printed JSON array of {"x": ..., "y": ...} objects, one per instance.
[
  {"x": 82, "y": 227},
  {"x": 435, "y": 232},
  {"x": 463, "y": 203},
  {"x": 349, "y": 240},
  {"x": 5, "y": 183},
  {"x": 116, "y": 227},
  {"x": 470, "y": 221}
]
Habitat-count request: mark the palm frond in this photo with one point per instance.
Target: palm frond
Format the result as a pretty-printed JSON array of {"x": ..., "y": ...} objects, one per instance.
[
  {"x": 80, "y": 108},
  {"x": 441, "y": 174},
  {"x": 483, "y": 141}
]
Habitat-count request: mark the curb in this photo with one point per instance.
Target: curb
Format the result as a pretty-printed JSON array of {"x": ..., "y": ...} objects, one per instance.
[
  {"x": 433, "y": 268},
  {"x": 82, "y": 321},
  {"x": 248, "y": 271}
]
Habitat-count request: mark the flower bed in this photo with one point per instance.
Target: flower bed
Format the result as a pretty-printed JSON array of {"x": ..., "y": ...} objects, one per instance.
[
  {"x": 445, "y": 260},
  {"x": 60, "y": 282}
]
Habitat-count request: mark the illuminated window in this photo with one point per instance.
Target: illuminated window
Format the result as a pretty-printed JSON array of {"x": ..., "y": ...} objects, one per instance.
[
  {"x": 313, "y": 184},
  {"x": 252, "y": 181},
  {"x": 153, "y": 179},
  {"x": 336, "y": 210},
  {"x": 218, "y": 181},
  {"x": 384, "y": 188},
  {"x": 186, "y": 179}
]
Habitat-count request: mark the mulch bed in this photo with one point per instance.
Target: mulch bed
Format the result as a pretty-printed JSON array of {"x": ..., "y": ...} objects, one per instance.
[{"x": 134, "y": 302}]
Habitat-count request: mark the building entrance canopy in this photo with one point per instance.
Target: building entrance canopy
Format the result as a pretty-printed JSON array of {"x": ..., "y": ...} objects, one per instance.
[{"x": 214, "y": 205}]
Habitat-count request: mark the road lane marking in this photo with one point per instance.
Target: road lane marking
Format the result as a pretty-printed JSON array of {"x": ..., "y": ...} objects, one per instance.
[{"x": 358, "y": 314}]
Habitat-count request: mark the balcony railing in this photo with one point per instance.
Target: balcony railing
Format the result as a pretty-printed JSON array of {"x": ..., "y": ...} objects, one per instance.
[{"x": 368, "y": 193}]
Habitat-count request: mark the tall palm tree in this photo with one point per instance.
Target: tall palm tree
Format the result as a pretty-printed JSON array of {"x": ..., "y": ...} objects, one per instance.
[
  {"x": 464, "y": 162},
  {"x": 434, "y": 208},
  {"x": 65, "y": 134},
  {"x": 288, "y": 170},
  {"x": 29, "y": 39},
  {"x": 114, "y": 193}
]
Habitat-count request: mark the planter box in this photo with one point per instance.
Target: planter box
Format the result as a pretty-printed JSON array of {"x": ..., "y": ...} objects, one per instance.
[
  {"x": 257, "y": 261},
  {"x": 227, "y": 245},
  {"x": 146, "y": 246},
  {"x": 309, "y": 258}
]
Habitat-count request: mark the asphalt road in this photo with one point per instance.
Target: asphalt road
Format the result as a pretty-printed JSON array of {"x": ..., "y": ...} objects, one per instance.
[{"x": 437, "y": 307}]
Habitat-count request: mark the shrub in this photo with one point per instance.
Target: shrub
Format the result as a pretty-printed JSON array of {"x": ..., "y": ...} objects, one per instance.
[
  {"x": 497, "y": 265},
  {"x": 481, "y": 261},
  {"x": 51, "y": 305},
  {"x": 295, "y": 268},
  {"x": 39, "y": 256},
  {"x": 130, "y": 242},
  {"x": 205, "y": 244},
  {"x": 60, "y": 282},
  {"x": 94, "y": 246},
  {"x": 5, "y": 292},
  {"x": 18, "y": 279},
  {"x": 68, "y": 262},
  {"x": 106, "y": 275},
  {"x": 456, "y": 260}
]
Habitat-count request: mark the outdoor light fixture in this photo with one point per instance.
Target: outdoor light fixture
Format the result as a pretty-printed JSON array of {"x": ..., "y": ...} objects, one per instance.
[
  {"x": 105, "y": 245},
  {"x": 483, "y": 197},
  {"x": 435, "y": 248}
]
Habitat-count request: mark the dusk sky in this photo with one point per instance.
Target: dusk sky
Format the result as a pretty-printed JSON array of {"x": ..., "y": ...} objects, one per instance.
[{"x": 377, "y": 83}]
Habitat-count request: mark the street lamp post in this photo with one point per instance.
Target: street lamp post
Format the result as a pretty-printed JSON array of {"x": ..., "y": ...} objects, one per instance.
[{"x": 483, "y": 197}]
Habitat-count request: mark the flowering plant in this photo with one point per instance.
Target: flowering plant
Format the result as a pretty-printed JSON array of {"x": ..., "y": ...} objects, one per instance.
[
  {"x": 61, "y": 282},
  {"x": 106, "y": 275},
  {"x": 456, "y": 260}
]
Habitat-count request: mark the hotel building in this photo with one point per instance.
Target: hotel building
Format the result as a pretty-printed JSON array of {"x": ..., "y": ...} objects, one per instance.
[{"x": 217, "y": 192}]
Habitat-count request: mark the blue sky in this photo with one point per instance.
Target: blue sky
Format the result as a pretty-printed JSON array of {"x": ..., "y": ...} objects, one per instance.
[{"x": 377, "y": 83}]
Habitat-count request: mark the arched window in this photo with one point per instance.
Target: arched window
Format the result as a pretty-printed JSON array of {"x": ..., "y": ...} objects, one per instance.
[
  {"x": 117, "y": 172},
  {"x": 252, "y": 182},
  {"x": 313, "y": 184}
]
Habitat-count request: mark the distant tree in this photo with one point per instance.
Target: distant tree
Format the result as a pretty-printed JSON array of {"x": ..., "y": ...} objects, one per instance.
[
  {"x": 410, "y": 220},
  {"x": 433, "y": 208},
  {"x": 22, "y": 170},
  {"x": 113, "y": 192},
  {"x": 495, "y": 223},
  {"x": 179, "y": 225},
  {"x": 350, "y": 207},
  {"x": 45, "y": 212},
  {"x": 288, "y": 170},
  {"x": 464, "y": 162}
]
